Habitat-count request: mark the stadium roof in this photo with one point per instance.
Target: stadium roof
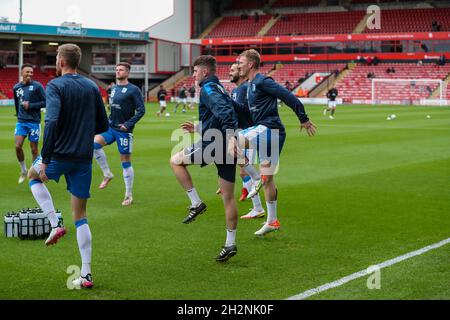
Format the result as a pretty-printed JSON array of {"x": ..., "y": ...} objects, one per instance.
[{"x": 72, "y": 31}]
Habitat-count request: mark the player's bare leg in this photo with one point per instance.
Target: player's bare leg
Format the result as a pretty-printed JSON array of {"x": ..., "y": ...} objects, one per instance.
[
  {"x": 100, "y": 156},
  {"x": 18, "y": 141},
  {"x": 179, "y": 163},
  {"x": 231, "y": 213}
]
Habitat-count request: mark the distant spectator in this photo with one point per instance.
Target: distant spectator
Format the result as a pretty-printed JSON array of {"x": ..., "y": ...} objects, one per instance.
[
  {"x": 336, "y": 72},
  {"x": 430, "y": 91},
  {"x": 419, "y": 63},
  {"x": 424, "y": 47},
  {"x": 369, "y": 60},
  {"x": 435, "y": 26},
  {"x": 256, "y": 16},
  {"x": 375, "y": 61},
  {"x": 370, "y": 75},
  {"x": 361, "y": 59},
  {"x": 244, "y": 16},
  {"x": 441, "y": 61}
]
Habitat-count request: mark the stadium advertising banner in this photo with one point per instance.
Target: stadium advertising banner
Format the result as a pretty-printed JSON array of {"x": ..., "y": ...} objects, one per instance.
[
  {"x": 330, "y": 38},
  {"x": 71, "y": 31}
]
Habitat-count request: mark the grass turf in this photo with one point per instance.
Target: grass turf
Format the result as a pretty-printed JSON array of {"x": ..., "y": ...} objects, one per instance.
[{"x": 362, "y": 191}]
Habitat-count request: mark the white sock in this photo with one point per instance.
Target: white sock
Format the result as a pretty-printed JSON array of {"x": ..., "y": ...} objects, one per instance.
[
  {"x": 271, "y": 211},
  {"x": 128, "y": 177},
  {"x": 194, "y": 197},
  {"x": 247, "y": 184},
  {"x": 44, "y": 200},
  {"x": 100, "y": 156},
  {"x": 252, "y": 172},
  {"x": 84, "y": 239},
  {"x": 23, "y": 166},
  {"x": 257, "y": 205},
  {"x": 231, "y": 238}
]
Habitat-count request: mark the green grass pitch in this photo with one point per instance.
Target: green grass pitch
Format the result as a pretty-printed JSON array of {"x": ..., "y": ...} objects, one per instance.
[{"x": 362, "y": 191}]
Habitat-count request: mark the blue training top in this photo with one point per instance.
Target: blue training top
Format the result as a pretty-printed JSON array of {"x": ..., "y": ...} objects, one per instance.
[
  {"x": 75, "y": 114},
  {"x": 262, "y": 95},
  {"x": 34, "y": 93},
  {"x": 127, "y": 106}
]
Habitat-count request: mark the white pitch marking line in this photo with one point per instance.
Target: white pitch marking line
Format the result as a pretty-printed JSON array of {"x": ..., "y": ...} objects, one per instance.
[{"x": 363, "y": 273}]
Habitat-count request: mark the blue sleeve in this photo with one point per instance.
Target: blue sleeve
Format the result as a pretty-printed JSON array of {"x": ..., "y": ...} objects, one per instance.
[
  {"x": 101, "y": 120},
  {"x": 269, "y": 86},
  {"x": 16, "y": 102},
  {"x": 41, "y": 103},
  {"x": 53, "y": 97},
  {"x": 221, "y": 106},
  {"x": 140, "y": 110}
]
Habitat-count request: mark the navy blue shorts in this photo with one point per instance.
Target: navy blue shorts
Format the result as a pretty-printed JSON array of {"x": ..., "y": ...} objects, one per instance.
[{"x": 226, "y": 167}]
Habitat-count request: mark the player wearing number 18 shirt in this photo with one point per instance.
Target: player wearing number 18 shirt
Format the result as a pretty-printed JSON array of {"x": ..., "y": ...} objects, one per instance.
[{"x": 127, "y": 108}]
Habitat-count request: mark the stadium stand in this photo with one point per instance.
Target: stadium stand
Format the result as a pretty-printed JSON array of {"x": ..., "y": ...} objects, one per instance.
[
  {"x": 222, "y": 73},
  {"x": 295, "y": 3},
  {"x": 317, "y": 23},
  {"x": 9, "y": 78},
  {"x": 413, "y": 20},
  {"x": 247, "y": 5},
  {"x": 237, "y": 27},
  {"x": 357, "y": 86},
  {"x": 294, "y": 72}
]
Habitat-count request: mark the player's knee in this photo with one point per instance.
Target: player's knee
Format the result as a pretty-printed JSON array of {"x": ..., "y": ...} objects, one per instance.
[
  {"x": 97, "y": 146},
  {"x": 177, "y": 159},
  {"x": 18, "y": 146},
  {"x": 32, "y": 174}
]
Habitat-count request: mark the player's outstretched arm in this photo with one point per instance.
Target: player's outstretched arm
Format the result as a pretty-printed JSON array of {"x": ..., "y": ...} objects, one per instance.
[{"x": 274, "y": 89}]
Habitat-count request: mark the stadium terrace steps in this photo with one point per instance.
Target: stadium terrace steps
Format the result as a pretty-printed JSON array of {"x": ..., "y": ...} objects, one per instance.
[
  {"x": 268, "y": 26},
  {"x": 306, "y": 23},
  {"x": 211, "y": 27},
  {"x": 237, "y": 27}
]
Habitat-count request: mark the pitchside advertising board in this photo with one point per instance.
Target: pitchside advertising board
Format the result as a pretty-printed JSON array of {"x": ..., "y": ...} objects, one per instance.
[{"x": 71, "y": 31}]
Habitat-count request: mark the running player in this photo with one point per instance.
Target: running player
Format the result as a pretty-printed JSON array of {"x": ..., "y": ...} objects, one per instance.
[
  {"x": 182, "y": 99},
  {"x": 162, "y": 94},
  {"x": 75, "y": 112},
  {"x": 216, "y": 113},
  {"x": 127, "y": 108},
  {"x": 191, "y": 98},
  {"x": 268, "y": 134},
  {"x": 29, "y": 98},
  {"x": 331, "y": 95}
]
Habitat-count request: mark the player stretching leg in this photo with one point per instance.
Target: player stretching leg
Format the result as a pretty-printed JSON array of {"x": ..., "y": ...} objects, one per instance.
[
  {"x": 29, "y": 98},
  {"x": 75, "y": 113},
  {"x": 216, "y": 113},
  {"x": 268, "y": 131},
  {"x": 127, "y": 108},
  {"x": 240, "y": 104}
]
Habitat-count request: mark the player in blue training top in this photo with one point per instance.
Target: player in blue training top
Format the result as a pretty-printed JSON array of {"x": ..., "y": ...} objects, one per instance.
[
  {"x": 218, "y": 123},
  {"x": 127, "y": 108},
  {"x": 29, "y": 98},
  {"x": 240, "y": 104},
  {"x": 75, "y": 113},
  {"x": 267, "y": 135}
]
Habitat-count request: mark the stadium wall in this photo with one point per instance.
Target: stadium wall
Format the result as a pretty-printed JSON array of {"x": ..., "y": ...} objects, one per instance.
[{"x": 176, "y": 27}]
